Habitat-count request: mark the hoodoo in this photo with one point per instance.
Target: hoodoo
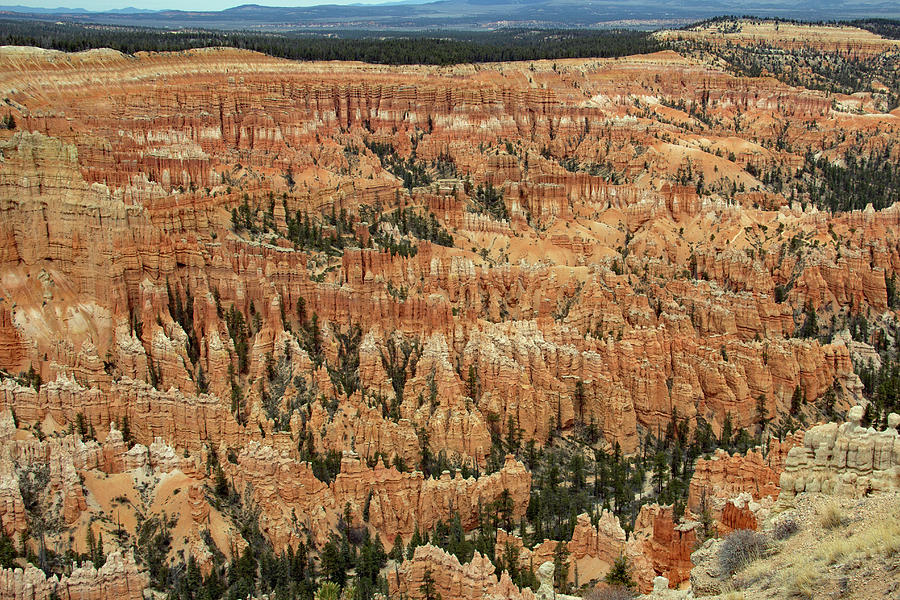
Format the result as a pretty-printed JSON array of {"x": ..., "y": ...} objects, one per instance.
[{"x": 570, "y": 327}]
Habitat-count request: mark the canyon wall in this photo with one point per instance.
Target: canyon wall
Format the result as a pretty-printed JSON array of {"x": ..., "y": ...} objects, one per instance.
[{"x": 305, "y": 285}]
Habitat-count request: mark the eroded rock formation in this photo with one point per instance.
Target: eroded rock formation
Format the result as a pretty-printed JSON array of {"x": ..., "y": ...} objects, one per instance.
[
  {"x": 844, "y": 459},
  {"x": 667, "y": 545},
  {"x": 475, "y": 579},
  {"x": 118, "y": 578},
  {"x": 397, "y": 503},
  {"x": 188, "y": 241}
]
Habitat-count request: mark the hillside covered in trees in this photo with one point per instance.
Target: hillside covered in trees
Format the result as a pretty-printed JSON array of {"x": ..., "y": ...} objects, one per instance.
[{"x": 434, "y": 48}]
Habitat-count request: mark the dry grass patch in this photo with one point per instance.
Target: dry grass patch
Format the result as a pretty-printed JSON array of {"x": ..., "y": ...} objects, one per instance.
[
  {"x": 883, "y": 540},
  {"x": 802, "y": 580},
  {"x": 875, "y": 541},
  {"x": 889, "y": 538},
  {"x": 831, "y": 517},
  {"x": 756, "y": 571},
  {"x": 834, "y": 550}
]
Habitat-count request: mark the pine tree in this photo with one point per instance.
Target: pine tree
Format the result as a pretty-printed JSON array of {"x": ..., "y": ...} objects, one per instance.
[
  {"x": 579, "y": 398},
  {"x": 796, "y": 400},
  {"x": 202, "y": 384},
  {"x": 328, "y": 591},
  {"x": 126, "y": 433},
  {"x": 727, "y": 432},
  {"x": 510, "y": 560},
  {"x": 301, "y": 310},
  {"x": 414, "y": 542},
  {"x": 311, "y": 340},
  {"x": 620, "y": 574},
  {"x": 428, "y": 589},
  {"x": 91, "y": 543},
  {"x": 221, "y": 484},
  {"x": 396, "y": 552},
  {"x": 472, "y": 384},
  {"x": 99, "y": 558},
  {"x": 513, "y": 435},
  {"x": 8, "y": 551},
  {"x": 890, "y": 284},
  {"x": 660, "y": 469},
  {"x": 560, "y": 567},
  {"x": 80, "y": 427},
  {"x": 705, "y": 517},
  {"x": 810, "y": 326},
  {"x": 505, "y": 506},
  {"x": 333, "y": 561},
  {"x": 762, "y": 413}
]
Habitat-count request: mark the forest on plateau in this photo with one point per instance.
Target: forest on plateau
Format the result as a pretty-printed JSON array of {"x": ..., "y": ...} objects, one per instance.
[{"x": 432, "y": 48}]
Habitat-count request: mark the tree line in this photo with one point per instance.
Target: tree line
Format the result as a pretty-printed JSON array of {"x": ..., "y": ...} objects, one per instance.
[{"x": 394, "y": 48}]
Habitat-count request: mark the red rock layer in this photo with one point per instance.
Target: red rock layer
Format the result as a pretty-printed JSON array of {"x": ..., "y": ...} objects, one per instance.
[
  {"x": 726, "y": 476},
  {"x": 736, "y": 517},
  {"x": 289, "y": 496},
  {"x": 666, "y": 544}
]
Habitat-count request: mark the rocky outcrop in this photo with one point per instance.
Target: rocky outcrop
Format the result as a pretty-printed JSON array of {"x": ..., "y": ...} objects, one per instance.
[
  {"x": 118, "y": 578},
  {"x": 850, "y": 41},
  {"x": 725, "y": 476},
  {"x": 844, "y": 459},
  {"x": 706, "y": 577},
  {"x": 289, "y": 495},
  {"x": 114, "y": 450},
  {"x": 739, "y": 513},
  {"x": 604, "y": 542},
  {"x": 778, "y": 449},
  {"x": 155, "y": 205},
  {"x": 186, "y": 421},
  {"x": 454, "y": 581},
  {"x": 666, "y": 544},
  {"x": 592, "y": 550},
  {"x": 12, "y": 350},
  {"x": 12, "y": 508},
  {"x": 398, "y": 502}
]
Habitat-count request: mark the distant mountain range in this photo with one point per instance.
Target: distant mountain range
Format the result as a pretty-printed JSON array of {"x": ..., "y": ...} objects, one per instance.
[
  {"x": 128, "y": 10},
  {"x": 466, "y": 14}
]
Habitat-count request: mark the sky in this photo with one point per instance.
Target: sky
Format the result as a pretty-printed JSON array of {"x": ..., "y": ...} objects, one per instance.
[{"x": 103, "y": 5}]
